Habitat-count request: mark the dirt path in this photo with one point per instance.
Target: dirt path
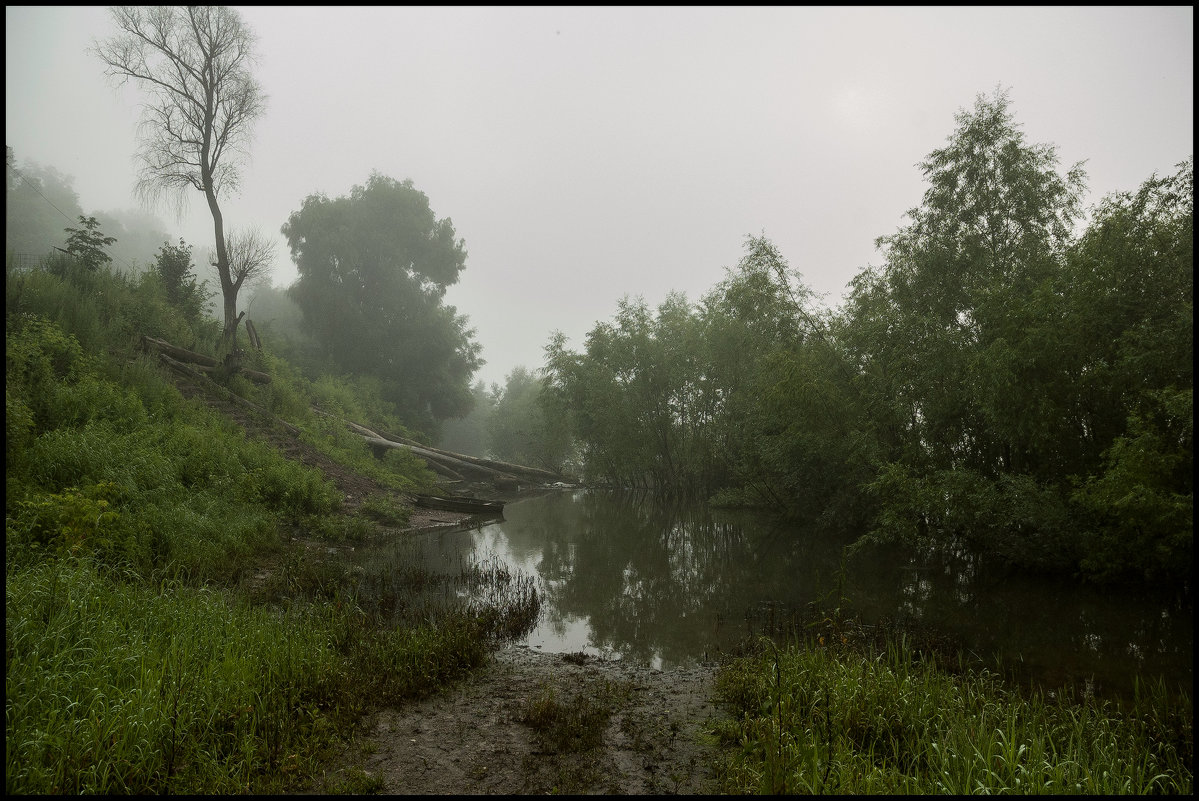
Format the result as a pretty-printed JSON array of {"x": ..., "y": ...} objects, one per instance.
[{"x": 471, "y": 738}]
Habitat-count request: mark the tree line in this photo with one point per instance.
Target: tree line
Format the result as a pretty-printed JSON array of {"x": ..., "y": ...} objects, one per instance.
[
  {"x": 1010, "y": 380},
  {"x": 1014, "y": 378}
]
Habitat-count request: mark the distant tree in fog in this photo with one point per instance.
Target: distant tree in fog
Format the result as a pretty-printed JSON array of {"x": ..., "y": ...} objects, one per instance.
[
  {"x": 38, "y": 201},
  {"x": 374, "y": 267}
]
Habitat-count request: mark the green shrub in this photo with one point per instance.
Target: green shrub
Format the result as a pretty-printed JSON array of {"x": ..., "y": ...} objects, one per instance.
[{"x": 82, "y": 522}]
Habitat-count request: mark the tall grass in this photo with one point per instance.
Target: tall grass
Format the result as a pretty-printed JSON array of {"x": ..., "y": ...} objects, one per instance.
[
  {"x": 117, "y": 687},
  {"x": 133, "y": 664},
  {"x": 817, "y": 719}
]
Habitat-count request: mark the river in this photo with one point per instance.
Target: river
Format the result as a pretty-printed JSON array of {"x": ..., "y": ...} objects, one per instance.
[{"x": 625, "y": 578}]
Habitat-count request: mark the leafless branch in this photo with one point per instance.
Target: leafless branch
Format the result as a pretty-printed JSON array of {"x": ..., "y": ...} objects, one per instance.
[
  {"x": 193, "y": 62},
  {"x": 251, "y": 256}
]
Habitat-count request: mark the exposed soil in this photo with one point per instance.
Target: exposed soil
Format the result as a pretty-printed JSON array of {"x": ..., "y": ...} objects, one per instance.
[{"x": 471, "y": 738}]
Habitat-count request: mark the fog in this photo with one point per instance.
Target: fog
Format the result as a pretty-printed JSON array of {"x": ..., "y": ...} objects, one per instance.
[{"x": 586, "y": 154}]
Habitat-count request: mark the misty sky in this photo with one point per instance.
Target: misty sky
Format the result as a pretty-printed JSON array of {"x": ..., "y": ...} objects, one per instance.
[{"x": 589, "y": 153}]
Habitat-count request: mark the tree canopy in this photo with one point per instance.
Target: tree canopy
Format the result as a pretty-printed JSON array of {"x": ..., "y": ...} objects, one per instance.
[
  {"x": 1008, "y": 381},
  {"x": 374, "y": 267}
]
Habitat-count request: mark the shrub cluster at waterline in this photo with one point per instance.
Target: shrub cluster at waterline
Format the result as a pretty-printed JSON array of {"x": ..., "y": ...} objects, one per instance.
[{"x": 817, "y": 719}]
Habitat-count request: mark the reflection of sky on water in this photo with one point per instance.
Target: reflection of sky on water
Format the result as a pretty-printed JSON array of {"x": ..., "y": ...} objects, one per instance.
[{"x": 667, "y": 587}]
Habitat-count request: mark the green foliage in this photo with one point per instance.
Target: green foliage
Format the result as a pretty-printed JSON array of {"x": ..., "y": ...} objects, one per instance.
[
  {"x": 1002, "y": 382},
  {"x": 127, "y": 508},
  {"x": 1143, "y": 501},
  {"x": 87, "y": 522},
  {"x": 817, "y": 719},
  {"x": 87, "y": 244},
  {"x": 103, "y": 309},
  {"x": 1002, "y": 360},
  {"x": 519, "y": 431},
  {"x": 672, "y": 400},
  {"x": 121, "y": 687},
  {"x": 177, "y": 273},
  {"x": 193, "y": 492},
  {"x": 386, "y": 511},
  {"x": 374, "y": 268}
]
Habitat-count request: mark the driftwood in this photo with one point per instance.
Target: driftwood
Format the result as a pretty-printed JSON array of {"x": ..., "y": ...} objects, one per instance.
[
  {"x": 180, "y": 354},
  {"x": 379, "y": 446},
  {"x": 502, "y": 473},
  {"x": 203, "y": 363},
  {"x": 518, "y": 470}
]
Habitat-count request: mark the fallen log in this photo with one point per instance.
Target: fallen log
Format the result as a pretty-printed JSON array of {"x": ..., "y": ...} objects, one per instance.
[
  {"x": 253, "y": 375},
  {"x": 206, "y": 364},
  {"x": 503, "y": 473},
  {"x": 530, "y": 473},
  {"x": 379, "y": 446},
  {"x": 180, "y": 354},
  {"x": 461, "y": 469}
]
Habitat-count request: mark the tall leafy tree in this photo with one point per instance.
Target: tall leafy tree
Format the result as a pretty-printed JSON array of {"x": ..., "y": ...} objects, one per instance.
[
  {"x": 194, "y": 64},
  {"x": 1130, "y": 314},
  {"x": 995, "y": 219},
  {"x": 374, "y": 268},
  {"x": 88, "y": 244},
  {"x": 957, "y": 351}
]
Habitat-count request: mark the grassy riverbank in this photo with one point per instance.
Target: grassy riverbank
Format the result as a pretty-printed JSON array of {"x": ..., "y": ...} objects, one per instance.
[
  {"x": 168, "y": 629},
  {"x": 141, "y": 657},
  {"x": 827, "y": 716}
]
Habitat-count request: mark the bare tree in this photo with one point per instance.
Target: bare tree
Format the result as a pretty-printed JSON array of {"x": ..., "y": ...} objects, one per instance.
[
  {"x": 194, "y": 63},
  {"x": 250, "y": 254}
]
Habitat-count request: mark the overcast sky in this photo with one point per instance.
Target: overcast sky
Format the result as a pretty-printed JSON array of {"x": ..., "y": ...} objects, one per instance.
[{"x": 585, "y": 154}]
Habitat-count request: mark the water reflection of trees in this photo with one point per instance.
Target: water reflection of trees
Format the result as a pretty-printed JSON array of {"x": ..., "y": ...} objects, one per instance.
[
  {"x": 1048, "y": 629},
  {"x": 656, "y": 581}
]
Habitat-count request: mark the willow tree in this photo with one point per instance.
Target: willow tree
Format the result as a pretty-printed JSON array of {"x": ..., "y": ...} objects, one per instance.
[{"x": 194, "y": 64}]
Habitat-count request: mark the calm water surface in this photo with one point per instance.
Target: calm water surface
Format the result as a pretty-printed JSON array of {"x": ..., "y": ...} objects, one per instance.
[{"x": 629, "y": 579}]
